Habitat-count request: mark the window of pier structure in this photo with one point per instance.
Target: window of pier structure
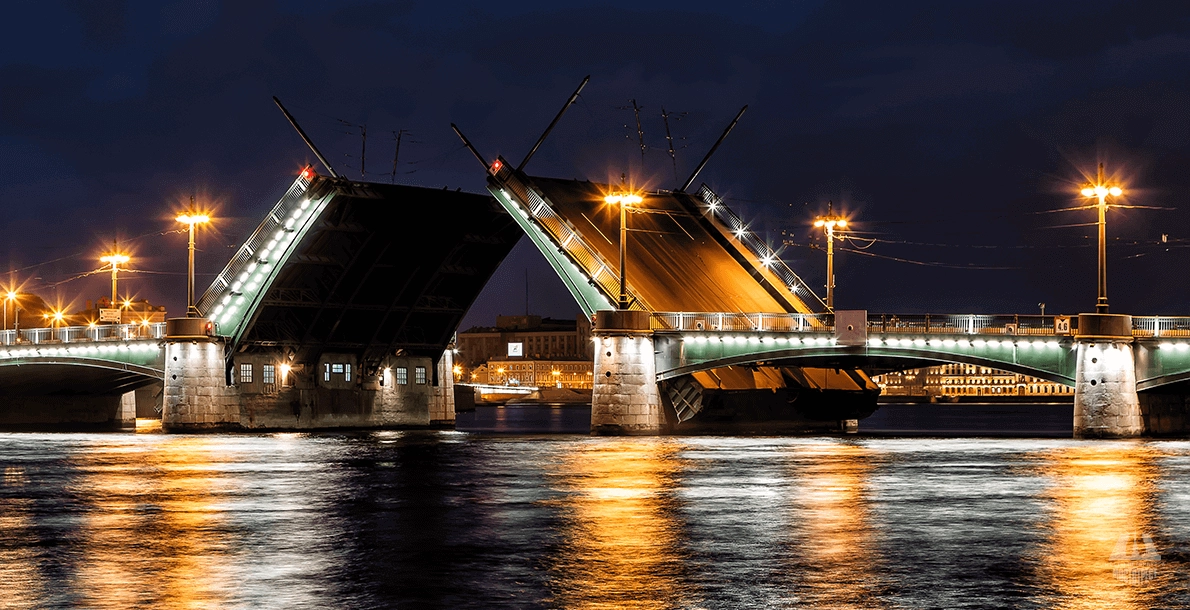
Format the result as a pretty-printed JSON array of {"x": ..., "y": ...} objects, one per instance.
[
  {"x": 246, "y": 372},
  {"x": 268, "y": 373},
  {"x": 419, "y": 375},
  {"x": 402, "y": 376}
]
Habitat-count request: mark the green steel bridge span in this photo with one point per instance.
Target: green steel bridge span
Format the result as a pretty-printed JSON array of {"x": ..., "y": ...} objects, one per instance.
[{"x": 1040, "y": 346}]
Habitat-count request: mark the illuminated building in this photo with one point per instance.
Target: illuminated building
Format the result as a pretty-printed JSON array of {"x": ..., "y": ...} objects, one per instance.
[
  {"x": 953, "y": 380},
  {"x": 526, "y": 338},
  {"x": 572, "y": 374}
]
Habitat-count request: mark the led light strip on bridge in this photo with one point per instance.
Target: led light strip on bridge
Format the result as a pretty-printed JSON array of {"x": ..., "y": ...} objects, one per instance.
[
  {"x": 81, "y": 351},
  {"x": 237, "y": 291}
]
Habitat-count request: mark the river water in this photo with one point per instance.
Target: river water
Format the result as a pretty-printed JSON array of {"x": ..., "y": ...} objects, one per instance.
[{"x": 449, "y": 519}]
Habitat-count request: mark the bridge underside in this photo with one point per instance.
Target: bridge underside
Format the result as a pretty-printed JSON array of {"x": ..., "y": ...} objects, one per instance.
[
  {"x": 383, "y": 270},
  {"x": 60, "y": 377}
]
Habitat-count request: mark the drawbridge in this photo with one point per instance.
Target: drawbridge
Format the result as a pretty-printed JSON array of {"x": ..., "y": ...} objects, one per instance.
[{"x": 687, "y": 251}]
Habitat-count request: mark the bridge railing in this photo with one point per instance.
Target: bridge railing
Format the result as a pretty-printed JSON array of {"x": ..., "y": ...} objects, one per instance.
[
  {"x": 1160, "y": 326},
  {"x": 82, "y": 334},
  {"x": 967, "y": 324},
  {"x": 719, "y": 212},
  {"x": 277, "y": 226},
  {"x": 602, "y": 272},
  {"x": 742, "y": 322}
]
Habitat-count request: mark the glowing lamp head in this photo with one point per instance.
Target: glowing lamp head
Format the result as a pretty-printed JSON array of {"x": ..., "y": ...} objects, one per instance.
[
  {"x": 193, "y": 219},
  {"x": 623, "y": 199},
  {"x": 115, "y": 259},
  {"x": 1115, "y": 191},
  {"x": 820, "y": 223},
  {"x": 1088, "y": 192},
  {"x": 127, "y": 303},
  {"x": 496, "y": 165},
  {"x": 307, "y": 173},
  {"x": 842, "y": 222},
  {"x": 10, "y": 296}
]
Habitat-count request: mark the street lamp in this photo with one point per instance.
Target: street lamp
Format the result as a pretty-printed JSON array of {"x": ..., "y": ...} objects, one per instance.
[
  {"x": 624, "y": 200},
  {"x": 115, "y": 259},
  {"x": 9, "y": 297},
  {"x": 828, "y": 224},
  {"x": 190, "y": 219},
  {"x": 1101, "y": 190}
]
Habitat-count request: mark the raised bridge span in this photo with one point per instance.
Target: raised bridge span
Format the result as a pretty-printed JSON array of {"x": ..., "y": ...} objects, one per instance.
[{"x": 765, "y": 333}]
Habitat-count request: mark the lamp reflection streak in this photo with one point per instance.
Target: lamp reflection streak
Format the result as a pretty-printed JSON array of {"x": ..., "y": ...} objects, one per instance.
[
  {"x": 152, "y": 534},
  {"x": 837, "y": 564},
  {"x": 621, "y": 532},
  {"x": 1102, "y": 510},
  {"x": 20, "y": 573}
]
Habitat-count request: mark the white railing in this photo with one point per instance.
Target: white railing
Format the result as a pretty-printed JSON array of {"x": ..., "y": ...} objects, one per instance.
[
  {"x": 929, "y": 324},
  {"x": 83, "y": 334}
]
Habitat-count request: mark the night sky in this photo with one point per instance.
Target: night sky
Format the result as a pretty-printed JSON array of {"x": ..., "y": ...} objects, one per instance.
[{"x": 947, "y": 131}]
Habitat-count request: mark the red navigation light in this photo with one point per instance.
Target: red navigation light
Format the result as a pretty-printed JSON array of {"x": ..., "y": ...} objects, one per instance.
[
  {"x": 307, "y": 173},
  {"x": 496, "y": 165},
  {"x": 210, "y": 329}
]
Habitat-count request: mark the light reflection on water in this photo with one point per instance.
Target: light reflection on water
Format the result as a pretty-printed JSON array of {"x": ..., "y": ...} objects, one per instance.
[
  {"x": 621, "y": 537},
  {"x": 451, "y": 520},
  {"x": 1102, "y": 505}
]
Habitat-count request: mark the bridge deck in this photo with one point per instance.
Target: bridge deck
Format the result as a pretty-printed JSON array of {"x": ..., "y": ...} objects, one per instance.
[
  {"x": 684, "y": 251},
  {"x": 673, "y": 262}
]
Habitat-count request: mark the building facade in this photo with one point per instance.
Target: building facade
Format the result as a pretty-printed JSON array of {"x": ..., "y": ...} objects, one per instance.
[
  {"x": 571, "y": 374},
  {"x": 955, "y": 380},
  {"x": 525, "y": 337}
]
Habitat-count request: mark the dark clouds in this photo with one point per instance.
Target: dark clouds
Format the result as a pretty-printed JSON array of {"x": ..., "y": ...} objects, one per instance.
[{"x": 934, "y": 123}]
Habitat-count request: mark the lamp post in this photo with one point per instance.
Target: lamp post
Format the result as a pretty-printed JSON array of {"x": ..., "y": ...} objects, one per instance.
[
  {"x": 9, "y": 297},
  {"x": 828, "y": 224},
  {"x": 115, "y": 259},
  {"x": 190, "y": 219},
  {"x": 1101, "y": 190},
  {"x": 623, "y": 200}
]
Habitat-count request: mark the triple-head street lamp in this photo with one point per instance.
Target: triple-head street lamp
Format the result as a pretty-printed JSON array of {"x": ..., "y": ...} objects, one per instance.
[
  {"x": 624, "y": 200},
  {"x": 828, "y": 224},
  {"x": 1100, "y": 190},
  {"x": 190, "y": 219}
]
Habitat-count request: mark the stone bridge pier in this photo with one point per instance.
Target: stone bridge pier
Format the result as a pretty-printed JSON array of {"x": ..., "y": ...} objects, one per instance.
[
  {"x": 624, "y": 396},
  {"x": 1106, "y": 404}
]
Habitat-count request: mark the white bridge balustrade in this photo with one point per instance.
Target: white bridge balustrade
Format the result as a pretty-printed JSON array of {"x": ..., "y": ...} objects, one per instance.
[
  {"x": 920, "y": 324},
  {"x": 82, "y": 334}
]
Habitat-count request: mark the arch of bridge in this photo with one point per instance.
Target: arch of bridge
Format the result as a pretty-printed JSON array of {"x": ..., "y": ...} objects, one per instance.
[{"x": 680, "y": 354}]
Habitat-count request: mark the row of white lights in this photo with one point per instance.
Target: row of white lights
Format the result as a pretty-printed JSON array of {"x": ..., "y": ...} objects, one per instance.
[
  {"x": 780, "y": 340},
  {"x": 79, "y": 351},
  {"x": 768, "y": 259},
  {"x": 252, "y": 279},
  {"x": 919, "y": 342}
]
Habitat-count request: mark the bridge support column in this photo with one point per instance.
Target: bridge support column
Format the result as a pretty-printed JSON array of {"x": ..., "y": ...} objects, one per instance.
[
  {"x": 1105, "y": 400},
  {"x": 197, "y": 397},
  {"x": 624, "y": 397}
]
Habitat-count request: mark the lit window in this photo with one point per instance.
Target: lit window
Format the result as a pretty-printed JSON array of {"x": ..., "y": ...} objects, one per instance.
[
  {"x": 337, "y": 368},
  {"x": 419, "y": 375},
  {"x": 246, "y": 372},
  {"x": 268, "y": 373},
  {"x": 326, "y": 372},
  {"x": 402, "y": 376},
  {"x": 346, "y": 372}
]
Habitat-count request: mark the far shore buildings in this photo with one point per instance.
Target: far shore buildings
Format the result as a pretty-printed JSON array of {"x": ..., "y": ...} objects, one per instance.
[
  {"x": 956, "y": 380},
  {"x": 527, "y": 351}
]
